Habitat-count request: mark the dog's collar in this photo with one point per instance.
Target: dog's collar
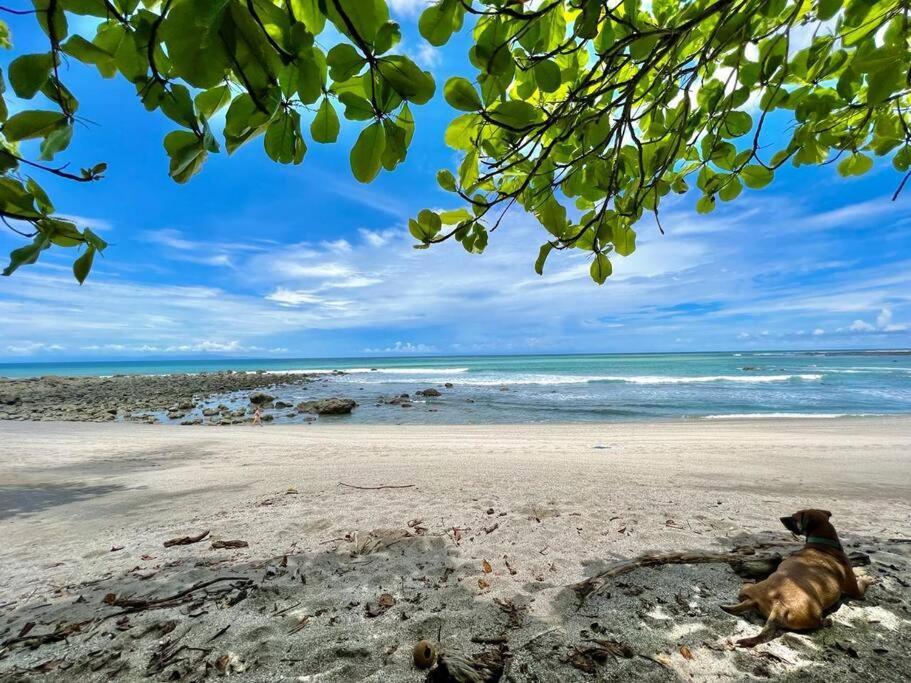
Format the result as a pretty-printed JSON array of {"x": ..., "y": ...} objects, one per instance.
[{"x": 822, "y": 540}]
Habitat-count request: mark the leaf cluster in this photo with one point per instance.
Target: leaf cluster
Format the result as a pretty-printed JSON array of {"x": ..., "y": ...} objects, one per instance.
[{"x": 586, "y": 114}]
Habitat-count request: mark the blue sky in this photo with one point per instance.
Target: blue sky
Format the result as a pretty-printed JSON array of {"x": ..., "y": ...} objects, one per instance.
[{"x": 255, "y": 259}]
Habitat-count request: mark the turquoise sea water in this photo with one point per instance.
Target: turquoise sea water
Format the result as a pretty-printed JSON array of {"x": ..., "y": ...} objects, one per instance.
[{"x": 555, "y": 388}]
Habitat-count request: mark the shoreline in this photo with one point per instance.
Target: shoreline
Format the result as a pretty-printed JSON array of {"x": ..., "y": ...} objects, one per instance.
[{"x": 87, "y": 508}]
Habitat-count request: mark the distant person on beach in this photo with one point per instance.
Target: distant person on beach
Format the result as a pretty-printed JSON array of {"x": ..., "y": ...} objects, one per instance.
[{"x": 258, "y": 417}]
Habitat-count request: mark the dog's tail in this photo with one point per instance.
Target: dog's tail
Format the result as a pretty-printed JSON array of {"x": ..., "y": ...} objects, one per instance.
[{"x": 768, "y": 632}]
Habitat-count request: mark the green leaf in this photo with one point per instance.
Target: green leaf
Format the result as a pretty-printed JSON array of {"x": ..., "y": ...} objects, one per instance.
[
  {"x": 325, "y": 126},
  {"x": 344, "y": 62},
  {"x": 29, "y": 73},
  {"x": 624, "y": 240},
  {"x": 32, "y": 124},
  {"x": 884, "y": 83},
  {"x": 736, "y": 123},
  {"x": 543, "y": 253},
  {"x": 547, "y": 76},
  {"x": 357, "y": 108},
  {"x": 192, "y": 33},
  {"x": 455, "y": 216},
  {"x": 387, "y": 37},
  {"x": 600, "y": 269},
  {"x": 309, "y": 12},
  {"x": 407, "y": 79},
  {"x": 826, "y": 9},
  {"x": 552, "y": 215},
  {"x": 756, "y": 177},
  {"x": 468, "y": 170},
  {"x": 460, "y": 94},
  {"x": 516, "y": 114},
  {"x": 855, "y": 165},
  {"x": 94, "y": 240},
  {"x": 367, "y": 153},
  {"x": 56, "y": 140},
  {"x": 177, "y": 105},
  {"x": 27, "y": 254},
  {"x": 731, "y": 189},
  {"x": 366, "y": 16},
  {"x": 438, "y": 22},
  {"x": 187, "y": 153},
  {"x": 283, "y": 142},
  {"x": 706, "y": 204},
  {"x": 211, "y": 101},
  {"x": 446, "y": 180},
  {"x": 83, "y": 264},
  {"x": 396, "y": 149},
  {"x": 460, "y": 133},
  {"x": 426, "y": 227}
]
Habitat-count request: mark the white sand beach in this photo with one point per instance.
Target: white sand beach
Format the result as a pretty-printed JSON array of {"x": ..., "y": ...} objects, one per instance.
[{"x": 85, "y": 509}]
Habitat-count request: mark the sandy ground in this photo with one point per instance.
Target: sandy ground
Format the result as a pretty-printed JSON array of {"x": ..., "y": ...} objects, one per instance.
[{"x": 85, "y": 509}]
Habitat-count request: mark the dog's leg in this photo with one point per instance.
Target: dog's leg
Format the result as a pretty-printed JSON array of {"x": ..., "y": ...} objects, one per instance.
[
  {"x": 856, "y": 586},
  {"x": 768, "y": 632},
  {"x": 741, "y": 607}
]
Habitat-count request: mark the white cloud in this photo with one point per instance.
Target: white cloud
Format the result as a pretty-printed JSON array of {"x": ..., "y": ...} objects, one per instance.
[
  {"x": 294, "y": 297},
  {"x": 861, "y": 326},
  {"x": 427, "y": 55},
  {"x": 95, "y": 224},
  {"x": 404, "y": 347},
  {"x": 376, "y": 238},
  {"x": 27, "y": 348},
  {"x": 883, "y": 324},
  {"x": 293, "y": 267},
  {"x": 203, "y": 346},
  {"x": 180, "y": 248},
  {"x": 884, "y": 318},
  {"x": 323, "y": 298},
  {"x": 340, "y": 246},
  {"x": 408, "y": 8}
]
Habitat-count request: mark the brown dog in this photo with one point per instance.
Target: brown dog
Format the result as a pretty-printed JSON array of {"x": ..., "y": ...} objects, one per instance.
[{"x": 805, "y": 584}]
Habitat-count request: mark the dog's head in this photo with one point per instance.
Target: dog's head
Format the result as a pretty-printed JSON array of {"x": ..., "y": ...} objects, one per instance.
[{"x": 805, "y": 522}]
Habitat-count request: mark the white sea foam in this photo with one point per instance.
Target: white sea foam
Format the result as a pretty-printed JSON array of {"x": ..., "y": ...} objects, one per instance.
[
  {"x": 861, "y": 370},
  {"x": 541, "y": 379},
  {"x": 372, "y": 371},
  {"x": 698, "y": 379},
  {"x": 785, "y": 416}
]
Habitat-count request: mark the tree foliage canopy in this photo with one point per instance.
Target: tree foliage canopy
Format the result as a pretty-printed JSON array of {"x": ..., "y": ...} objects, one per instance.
[{"x": 584, "y": 113}]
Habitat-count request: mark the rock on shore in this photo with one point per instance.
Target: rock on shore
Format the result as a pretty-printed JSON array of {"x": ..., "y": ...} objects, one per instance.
[
  {"x": 327, "y": 406},
  {"x": 104, "y": 399}
]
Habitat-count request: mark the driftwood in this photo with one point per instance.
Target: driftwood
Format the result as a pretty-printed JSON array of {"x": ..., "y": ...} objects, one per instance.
[
  {"x": 376, "y": 488},
  {"x": 186, "y": 540},
  {"x": 62, "y": 632},
  {"x": 595, "y": 584},
  {"x": 135, "y": 604},
  {"x": 229, "y": 544}
]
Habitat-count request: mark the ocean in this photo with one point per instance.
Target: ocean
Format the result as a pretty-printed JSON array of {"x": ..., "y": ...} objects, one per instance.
[{"x": 570, "y": 388}]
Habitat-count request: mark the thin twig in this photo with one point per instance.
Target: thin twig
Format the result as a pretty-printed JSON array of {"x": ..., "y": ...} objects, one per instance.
[{"x": 377, "y": 488}]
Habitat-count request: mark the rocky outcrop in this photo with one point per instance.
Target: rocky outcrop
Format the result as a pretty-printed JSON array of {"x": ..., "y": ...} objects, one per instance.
[
  {"x": 430, "y": 393},
  {"x": 403, "y": 400},
  {"x": 327, "y": 406},
  {"x": 130, "y": 397},
  {"x": 260, "y": 398}
]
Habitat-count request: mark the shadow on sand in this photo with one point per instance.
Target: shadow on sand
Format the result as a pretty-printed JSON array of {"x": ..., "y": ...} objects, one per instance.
[{"x": 354, "y": 612}]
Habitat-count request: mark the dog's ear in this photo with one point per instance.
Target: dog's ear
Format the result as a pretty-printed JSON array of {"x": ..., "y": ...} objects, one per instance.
[
  {"x": 827, "y": 514},
  {"x": 791, "y": 523}
]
